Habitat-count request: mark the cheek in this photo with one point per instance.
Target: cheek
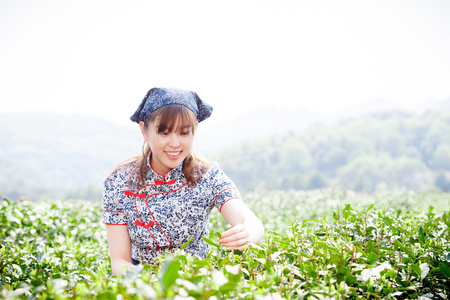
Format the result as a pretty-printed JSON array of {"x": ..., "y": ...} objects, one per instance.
[
  {"x": 156, "y": 138},
  {"x": 189, "y": 141},
  {"x": 155, "y": 142}
]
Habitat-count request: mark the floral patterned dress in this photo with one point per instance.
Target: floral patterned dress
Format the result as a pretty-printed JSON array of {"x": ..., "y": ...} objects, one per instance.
[{"x": 165, "y": 213}]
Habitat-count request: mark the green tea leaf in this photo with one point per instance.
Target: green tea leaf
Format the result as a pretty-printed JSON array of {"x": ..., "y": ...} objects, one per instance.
[
  {"x": 308, "y": 220},
  {"x": 325, "y": 246},
  {"x": 372, "y": 257},
  {"x": 422, "y": 232},
  {"x": 169, "y": 273},
  {"x": 335, "y": 216},
  {"x": 17, "y": 268},
  {"x": 186, "y": 244},
  {"x": 209, "y": 241},
  {"x": 398, "y": 245},
  {"x": 416, "y": 270},
  {"x": 388, "y": 220},
  {"x": 444, "y": 269},
  {"x": 425, "y": 269}
]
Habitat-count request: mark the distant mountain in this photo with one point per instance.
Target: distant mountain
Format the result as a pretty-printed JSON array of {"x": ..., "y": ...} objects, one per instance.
[
  {"x": 43, "y": 154},
  {"x": 269, "y": 121},
  {"x": 384, "y": 150},
  {"x": 256, "y": 124}
]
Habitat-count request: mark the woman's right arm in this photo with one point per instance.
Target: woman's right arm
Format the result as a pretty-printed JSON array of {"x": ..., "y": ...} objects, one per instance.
[{"x": 119, "y": 244}]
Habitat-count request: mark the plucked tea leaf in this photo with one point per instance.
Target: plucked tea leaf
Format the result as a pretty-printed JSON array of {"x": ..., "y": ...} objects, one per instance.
[{"x": 209, "y": 241}]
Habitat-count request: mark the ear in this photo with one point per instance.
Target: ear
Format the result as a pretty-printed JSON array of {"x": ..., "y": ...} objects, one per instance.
[{"x": 143, "y": 131}]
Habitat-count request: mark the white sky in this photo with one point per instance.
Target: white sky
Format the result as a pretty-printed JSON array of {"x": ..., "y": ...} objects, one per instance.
[{"x": 101, "y": 57}]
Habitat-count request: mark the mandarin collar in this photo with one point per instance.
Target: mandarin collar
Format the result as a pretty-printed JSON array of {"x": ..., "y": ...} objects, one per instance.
[{"x": 174, "y": 178}]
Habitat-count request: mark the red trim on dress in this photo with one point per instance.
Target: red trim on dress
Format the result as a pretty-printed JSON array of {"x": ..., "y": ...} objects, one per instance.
[
  {"x": 130, "y": 193},
  {"x": 159, "y": 182},
  {"x": 221, "y": 193},
  {"x": 152, "y": 223},
  {"x": 227, "y": 201},
  {"x": 146, "y": 203},
  {"x": 163, "y": 176},
  {"x": 137, "y": 211},
  {"x": 143, "y": 195}
]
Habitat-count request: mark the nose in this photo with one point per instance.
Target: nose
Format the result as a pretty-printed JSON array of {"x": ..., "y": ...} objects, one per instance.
[{"x": 174, "y": 140}]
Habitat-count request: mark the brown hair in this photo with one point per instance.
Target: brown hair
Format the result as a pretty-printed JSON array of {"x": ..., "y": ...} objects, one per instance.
[{"x": 167, "y": 116}]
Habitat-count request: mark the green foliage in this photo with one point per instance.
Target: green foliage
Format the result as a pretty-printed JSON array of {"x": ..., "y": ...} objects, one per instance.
[
  {"x": 389, "y": 150},
  {"x": 318, "y": 245}
]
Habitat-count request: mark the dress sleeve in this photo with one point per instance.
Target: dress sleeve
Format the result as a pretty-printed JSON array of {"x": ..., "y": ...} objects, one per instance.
[
  {"x": 112, "y": 210},
  {"x": 223, "y": 188}
]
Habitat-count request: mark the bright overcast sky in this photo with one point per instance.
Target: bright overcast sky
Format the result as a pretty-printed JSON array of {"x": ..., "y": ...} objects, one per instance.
[{"x": 101, "y": 57}]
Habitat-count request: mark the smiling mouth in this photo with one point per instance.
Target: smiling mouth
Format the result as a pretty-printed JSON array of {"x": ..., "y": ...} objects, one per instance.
[{"x": 174, "y": 153}]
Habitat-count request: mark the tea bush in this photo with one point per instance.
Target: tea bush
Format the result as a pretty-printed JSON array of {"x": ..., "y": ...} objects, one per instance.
[{"x": 323, "y": 244}]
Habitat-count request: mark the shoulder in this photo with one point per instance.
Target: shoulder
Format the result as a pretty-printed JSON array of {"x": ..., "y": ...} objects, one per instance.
[
  {"x": 213, "y": 167},
  {"x": 215, "y": 172},
  {"x": 123, "y": 171}
]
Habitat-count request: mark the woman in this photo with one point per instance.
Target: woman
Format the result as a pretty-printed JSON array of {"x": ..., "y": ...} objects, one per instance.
[{"x": 156, "y": 202}]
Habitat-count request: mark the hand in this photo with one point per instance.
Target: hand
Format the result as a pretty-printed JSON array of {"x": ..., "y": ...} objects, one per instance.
[{"x": 235, "y": 238}]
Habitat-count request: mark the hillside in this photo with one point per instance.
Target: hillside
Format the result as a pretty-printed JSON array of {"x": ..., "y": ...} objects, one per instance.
[
  {"x": 265, "y": 121},
  {"x": 394, "y": 150},
  {"x": 48, "y": 155}
]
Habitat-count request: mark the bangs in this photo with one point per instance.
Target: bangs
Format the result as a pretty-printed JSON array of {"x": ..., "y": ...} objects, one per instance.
[{"x": 173, "y": 115}]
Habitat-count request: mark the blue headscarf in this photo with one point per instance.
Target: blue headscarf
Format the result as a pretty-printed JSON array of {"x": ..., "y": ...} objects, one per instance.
[{"x": 159, "y": 97}]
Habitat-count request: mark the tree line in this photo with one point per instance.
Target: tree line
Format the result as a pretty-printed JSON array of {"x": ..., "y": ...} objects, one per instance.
[{"x": 390, "y": 150}]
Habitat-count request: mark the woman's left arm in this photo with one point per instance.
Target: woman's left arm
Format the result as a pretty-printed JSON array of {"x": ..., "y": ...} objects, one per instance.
[{"x": 245, "y": 225}]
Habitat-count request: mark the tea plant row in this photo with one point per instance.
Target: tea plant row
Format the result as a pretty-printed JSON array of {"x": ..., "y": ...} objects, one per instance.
[{"x": 324, "y": 244}]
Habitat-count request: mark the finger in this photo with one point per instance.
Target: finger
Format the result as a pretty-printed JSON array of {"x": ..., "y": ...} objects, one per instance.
[
  {"x": 235, "y": 237},
  {"x": 235, "y": 244},
  {"x": 239, "y": 248},
  {"x": 232, "y": 231}
]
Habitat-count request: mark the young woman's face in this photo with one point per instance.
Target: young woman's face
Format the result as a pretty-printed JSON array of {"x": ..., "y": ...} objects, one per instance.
[{"x": 169, "y": 149}]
